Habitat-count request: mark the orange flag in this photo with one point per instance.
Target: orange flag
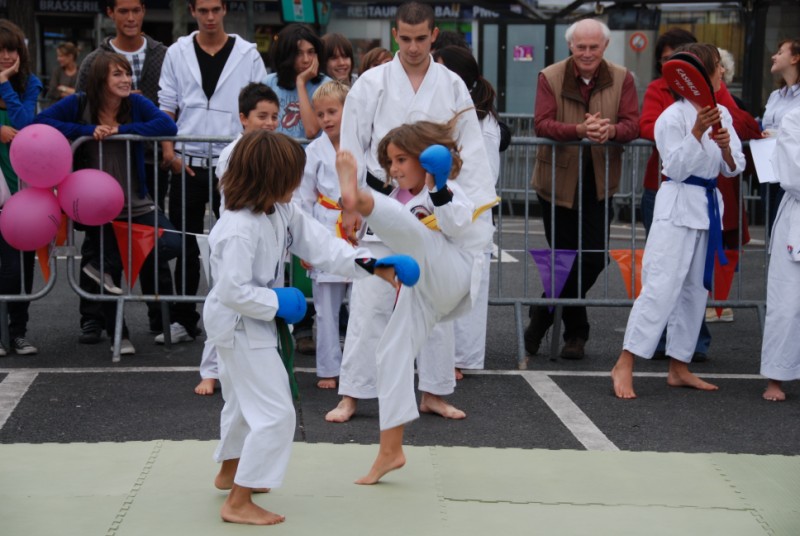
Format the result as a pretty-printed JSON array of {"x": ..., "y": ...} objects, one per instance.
[
  {"x": 143, "y": 241},
  {"x": 723, "y": 276},
  {"x": 623, "y": 259},
  {"x": 43, "y": 253}
]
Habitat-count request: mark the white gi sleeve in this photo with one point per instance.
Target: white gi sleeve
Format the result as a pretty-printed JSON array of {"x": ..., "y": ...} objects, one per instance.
[
  {"x": 234, "y": 278},
  {"x": 786, "y": 158},
  {"x": 455, "y": 217}
]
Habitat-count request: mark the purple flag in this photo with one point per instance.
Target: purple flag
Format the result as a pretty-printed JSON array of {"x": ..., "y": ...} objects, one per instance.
[{"x": 564, "y": 259}]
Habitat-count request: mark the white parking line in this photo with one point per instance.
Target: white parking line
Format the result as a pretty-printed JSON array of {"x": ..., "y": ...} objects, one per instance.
[
  {"x": 12, "y": 389},
  {"x": 568, "y": 412}
]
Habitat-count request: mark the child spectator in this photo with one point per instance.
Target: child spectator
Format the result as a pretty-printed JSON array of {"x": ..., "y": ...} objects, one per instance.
[
  {"x": 258, "y": 110},
  {"x": 318, "y": 195},
  {"x": 296, "y": 75},
  {"x": 338, "y": 61}
]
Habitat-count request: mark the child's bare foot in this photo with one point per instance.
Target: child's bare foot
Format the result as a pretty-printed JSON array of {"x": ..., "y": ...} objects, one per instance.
[
  {"x": 326, "y": 383},
  {"x": 435, "y": 404},
  {"x": 206, "y": 387},
  {"x": 774, "y": 393},
  {"x": 384, "y": 463},
  {"x": 239, "y": 508},
  {"x": 622, "y": 376},
  {"x": 459, "y": 374},
  {"x": 347, "y": 169},
  {"x": 343, "y": 411},
  {"x": 227, "y": 472},
  {"x": 680, "y": 376}
]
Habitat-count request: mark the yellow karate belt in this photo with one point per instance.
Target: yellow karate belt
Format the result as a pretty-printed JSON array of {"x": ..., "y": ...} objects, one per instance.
[
  {"x": 330, "y": 204},
  {"x": 431, "y": 223}
]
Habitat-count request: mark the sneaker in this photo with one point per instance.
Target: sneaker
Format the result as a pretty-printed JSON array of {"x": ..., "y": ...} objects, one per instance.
[
  {"x": 177, "y": 333},
  {"x": 3, "y": 351},
  {"x": 573, "y": 349},
  {"x": 711, "y": 315},
  {"x": 23, "y": 347},
  {"x": 125, "y": 347},
  {"x": 106, "y": 280},
  {"x": 90, "y": 335}
]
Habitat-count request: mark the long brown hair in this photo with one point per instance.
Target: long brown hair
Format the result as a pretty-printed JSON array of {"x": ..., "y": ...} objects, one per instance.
[
  {"x": 97, "y": 81},
  {"x": 413, "y": 138},
  {"x": 264, "y": 167},
  {"x": 12, "y": 38}
]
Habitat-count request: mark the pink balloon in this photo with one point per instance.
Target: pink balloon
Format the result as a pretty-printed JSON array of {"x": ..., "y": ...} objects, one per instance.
[
  {"x": 30, "y": 219},
  {"x": 91, "y": 196},
  {"x": 41, "y": 156}
]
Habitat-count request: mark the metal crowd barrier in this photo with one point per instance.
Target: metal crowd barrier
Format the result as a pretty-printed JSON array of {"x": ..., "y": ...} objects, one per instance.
[{"x": 515, "y": 186}]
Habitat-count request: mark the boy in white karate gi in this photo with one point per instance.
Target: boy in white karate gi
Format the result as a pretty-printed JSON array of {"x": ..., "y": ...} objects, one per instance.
[
  {"x": 318, "y": 195},
  {"x": 676, "y": 274},
  {"x": 780, "y": 353},
  {"x": 249, "y": 245},
  {"x": 258, "y": 109}
]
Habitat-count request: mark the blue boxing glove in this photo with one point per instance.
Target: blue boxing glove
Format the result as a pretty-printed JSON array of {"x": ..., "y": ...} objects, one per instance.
[
  {"x": 405, "y": 267},
  {"x": 291, "y": 304},
  {"x": 437, "y": 161}
]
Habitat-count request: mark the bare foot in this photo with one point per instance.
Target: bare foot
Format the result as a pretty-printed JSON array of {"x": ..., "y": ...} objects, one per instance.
[
  {"x": 435, "y": 404},
  {"x": 239, "y": 508},
  {"x": 383, "y": 464},
  {"x": 774, "y": 393},
  {"x": 347, "y": 168},
  {"x": 326, "y": 383},
  {"x": 680, "y": 376},
  {"x": 622, "y": 376},
  {"x": 206, "y": 387},
  {"x": 227, "y": 472},
  {"x": 343, "y": 411},
  {"x": 459, "y": 374},
  {"x": 390, "y": 456}
]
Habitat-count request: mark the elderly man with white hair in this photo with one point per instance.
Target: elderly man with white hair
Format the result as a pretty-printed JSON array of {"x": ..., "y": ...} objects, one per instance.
[{"x": 582, "y": 97}]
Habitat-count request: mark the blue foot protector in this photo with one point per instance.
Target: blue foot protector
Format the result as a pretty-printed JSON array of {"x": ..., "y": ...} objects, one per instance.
[
  {"x": 405, "y": 267},
  {"x": 291, "y": 304},
  {"x": 437, "y": 161}
]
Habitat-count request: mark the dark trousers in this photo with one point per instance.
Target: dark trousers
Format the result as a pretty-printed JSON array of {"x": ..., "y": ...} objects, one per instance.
[
  {"x": 12, "y": 264},
  {"x": 102, "y": 314},
  {"x": 189, "y": 204},
  {"x": 565, "y": 236}
]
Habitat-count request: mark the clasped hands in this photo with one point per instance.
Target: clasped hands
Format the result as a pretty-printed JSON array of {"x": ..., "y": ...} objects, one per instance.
[{"x": 597, "y": 129}]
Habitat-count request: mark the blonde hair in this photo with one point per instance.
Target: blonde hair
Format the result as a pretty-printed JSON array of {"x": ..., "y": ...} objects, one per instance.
[
  {"x": 253, "y": 180},
  {"x": 413, "y": 138},
  {"x": 331, "y": 90}
]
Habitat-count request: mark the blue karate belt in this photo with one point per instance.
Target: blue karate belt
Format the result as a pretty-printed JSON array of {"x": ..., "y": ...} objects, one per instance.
[{"x": 714, "y": 227}]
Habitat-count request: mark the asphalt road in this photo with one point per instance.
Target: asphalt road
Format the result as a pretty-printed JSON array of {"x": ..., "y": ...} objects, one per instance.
[{"x": 74, "y": 393}]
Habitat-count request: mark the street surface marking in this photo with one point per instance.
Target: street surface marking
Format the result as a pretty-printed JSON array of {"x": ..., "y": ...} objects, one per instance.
[
  {"x": 12, "y": 389},
  {"x": 568, "y": 412}
]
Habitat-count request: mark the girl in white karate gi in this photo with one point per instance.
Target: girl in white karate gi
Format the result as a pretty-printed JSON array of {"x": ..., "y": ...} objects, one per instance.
[
  {"x": 249, "y": 245},
  {"x": 318, "y": 195},
  {"x": 675, "y": 269},
  {"x": 449, "y": 251},
  {"x": 780, "y": 353}
]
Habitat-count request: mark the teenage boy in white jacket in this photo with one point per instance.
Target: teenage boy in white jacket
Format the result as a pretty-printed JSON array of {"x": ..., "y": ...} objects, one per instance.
[{"x": 200, "y": 82}]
